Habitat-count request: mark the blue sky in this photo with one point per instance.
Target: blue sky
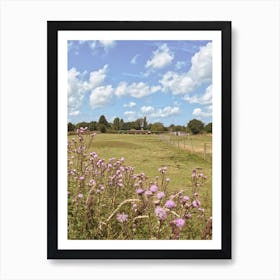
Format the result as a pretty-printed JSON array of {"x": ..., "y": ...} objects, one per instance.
[{"x": 166, "y": 81}]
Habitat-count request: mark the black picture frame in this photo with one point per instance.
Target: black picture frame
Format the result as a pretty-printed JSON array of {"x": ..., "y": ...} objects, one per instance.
[{"x": 53, "y": 27}]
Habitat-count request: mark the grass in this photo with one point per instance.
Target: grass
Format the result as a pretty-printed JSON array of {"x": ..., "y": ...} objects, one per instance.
[{"x": 147, "y": 153}]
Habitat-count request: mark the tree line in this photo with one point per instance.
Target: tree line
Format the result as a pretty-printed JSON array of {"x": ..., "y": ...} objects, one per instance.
[{"x": 194, "y": 126}]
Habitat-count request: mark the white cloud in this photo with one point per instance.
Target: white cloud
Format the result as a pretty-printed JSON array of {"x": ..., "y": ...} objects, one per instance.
[
  {"x": 137, "y": 90},
  {"x": 101, "y": 96},
  {"x": 200, "y": 72},
  {"x": 129, "y": 105},
  {"x": 205, "y": 99},
  {"x": 161, "y": 112},
  {"x": 103, "y": 44},
  {"x": 177, "y": 83},
  {"x": 76, "y": 90},
  {"x": 161, "y": 58},
  {"x": 107, "y": 43},
  {"x": 74, "y": 113},
  {"x": 134, "y": 59},
  {"x": 201, "y": 69},
  {"x": 199, "y": 113},
  {"x": 130, "y": 115},
  {"x": 147, "y": 109},
  {"x": 96, "y": 78}
]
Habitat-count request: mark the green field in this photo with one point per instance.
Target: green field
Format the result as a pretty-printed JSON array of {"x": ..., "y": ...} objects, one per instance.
[{"x": 147, "y": 153}]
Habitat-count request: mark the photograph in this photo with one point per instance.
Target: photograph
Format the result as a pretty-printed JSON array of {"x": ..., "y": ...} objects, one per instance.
[{"x": 139, "y": 139}]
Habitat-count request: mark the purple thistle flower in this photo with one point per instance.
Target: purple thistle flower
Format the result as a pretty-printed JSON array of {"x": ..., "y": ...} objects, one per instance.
[
  {"x": 196, "y": 203},
  {"x": 170, "y": 204},
  {"x": 185, "y": 198},
  {"x": 82, "y": 178},
  {"x": 139, "y": 191},
  {"x": 160, "y": 195},
  {"x": 148, "y": 193},
  {"x": 179, "y": 222},
  {"x": 80, "y": 195},
  {"x": 122, "y": 217},
  {"x": 160, "y": 213},
  {"x": 154, "y": 188}
]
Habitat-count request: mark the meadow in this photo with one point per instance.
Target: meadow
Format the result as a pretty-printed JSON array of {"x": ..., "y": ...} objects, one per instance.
[{"x": 123, "y": 186}]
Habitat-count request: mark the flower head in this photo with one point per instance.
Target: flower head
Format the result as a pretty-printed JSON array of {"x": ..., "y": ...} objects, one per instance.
[
  {"x": 153, "y": 188},
  {"x": 160, "y": 213},
  {"x": 170, "y": 204},
  {"x": 139, "y": 191},
  {"x": 148, "y": 193},
  {"x": 185, "y": 198},
  {"x": 160, "y": 195},
  {"x": 196, "y": 203},
  {"x": 179, "y": 222},
  {"x": 80, "y": 195},
  {"x": 122, "y": 217}
]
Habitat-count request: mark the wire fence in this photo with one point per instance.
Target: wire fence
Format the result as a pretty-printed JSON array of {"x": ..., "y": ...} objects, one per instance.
[{"x": 201, "y": 145}]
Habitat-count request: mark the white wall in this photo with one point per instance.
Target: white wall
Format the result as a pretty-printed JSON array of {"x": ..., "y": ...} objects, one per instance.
[{"x": 255, "y": 139}]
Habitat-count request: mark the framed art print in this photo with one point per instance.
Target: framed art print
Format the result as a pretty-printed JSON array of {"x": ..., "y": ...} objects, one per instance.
[{"x": 139, "y": 140}]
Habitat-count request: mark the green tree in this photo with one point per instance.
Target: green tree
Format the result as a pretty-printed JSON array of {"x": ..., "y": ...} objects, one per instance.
[
  {"x": 92, "y": 126},
  {"x": 145, "y": 123},
  {"x": 157, "y": 127},
  {"x": 103, "y": 121},
  {"x": 195, "y": 126},
  {"x": 71, "y": 127},
  {"x": 116, "y": 124},
  {"x": 208, "y": 128},
  {"x": 138, "y": 124},
  {"x": 102, "y": 128}
]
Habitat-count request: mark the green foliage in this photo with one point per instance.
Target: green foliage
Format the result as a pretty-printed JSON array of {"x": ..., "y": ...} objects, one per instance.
[
  {"x": 116, "y": 124},
  {"x": 208, "y": 128},
  {"x": 195, "y": 126},
  {"x": 71, "y": 127},
  {"x": 103, "y": 121},
  {"x": 93, "y": 126},
  {"x": 157, "y": 127},
  {"x": 102, "y": 128}
]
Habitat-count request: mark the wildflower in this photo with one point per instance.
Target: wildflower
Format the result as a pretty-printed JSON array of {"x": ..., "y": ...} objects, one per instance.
[
  {"x": 185, "y": 198},
  {"x": 122, "y": 217},
  {"x": 153, "y": 188},
  {"x": 167, "y": 180},
  {"x": 162, "y": 170},
  {"x": 91, "y": 182},
  {"x": 170, "y": 204},
  {"x": 148, "y": 193},
  {"x": 196, "y": 203},
  {"x": 179, "y": 222},
  {"x": 80, "y": 195},
  {"x": 160, "y": 213},
  {"x": 201, "y": 210},
  {"x": 160, "y": 195},
  {"x": 195, "y": 194},
  {"x": 139, "y": 191},
  {"x": 82, "y": 178}
]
